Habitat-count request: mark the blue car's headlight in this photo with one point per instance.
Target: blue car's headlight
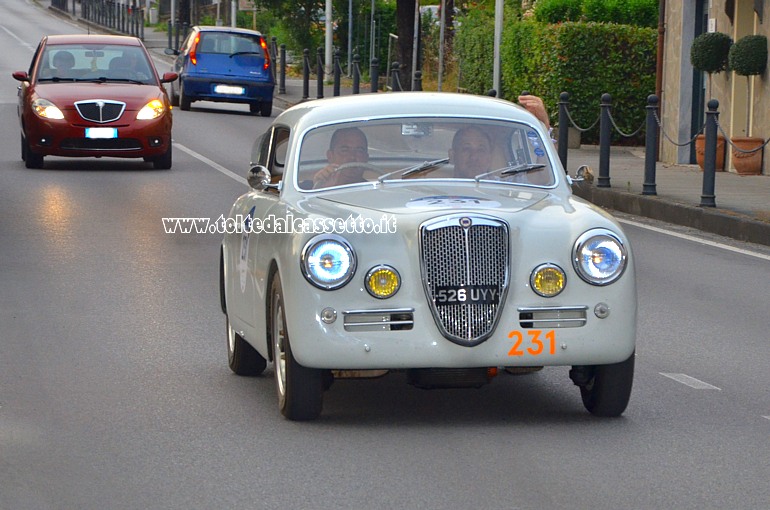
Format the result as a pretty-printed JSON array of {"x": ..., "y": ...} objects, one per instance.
[
  {"x": 328, "y": 262},
  {"x": 599, "y": 257}
]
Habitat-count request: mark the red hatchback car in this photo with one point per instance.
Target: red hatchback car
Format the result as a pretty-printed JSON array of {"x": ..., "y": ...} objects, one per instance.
[{"x": 94, "y": 96}]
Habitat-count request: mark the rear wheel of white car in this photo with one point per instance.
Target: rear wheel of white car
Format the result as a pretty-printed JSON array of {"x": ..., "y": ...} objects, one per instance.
[
  {"x": 242, "y": 358},
  {"x": 607, "y": 391},
  {"x": 300, "y": 389}
]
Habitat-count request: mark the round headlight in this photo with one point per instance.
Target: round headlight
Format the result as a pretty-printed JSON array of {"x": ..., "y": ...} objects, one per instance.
[
  {"x": 548, "y": 280},
  {"x": 328, "y": 262},
  {"x": 382, "y": 281},
  {"x": 599, "y": 257}
]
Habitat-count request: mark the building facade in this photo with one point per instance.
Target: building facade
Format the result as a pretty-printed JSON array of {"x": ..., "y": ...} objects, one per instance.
[{"x": 742, "y": 102}]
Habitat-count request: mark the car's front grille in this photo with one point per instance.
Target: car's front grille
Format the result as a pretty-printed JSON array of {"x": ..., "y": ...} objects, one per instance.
[
  {"x": 101, "y": 144},
  {"x": 465, "y": 274},
  {"x": 100, "y": 110}
]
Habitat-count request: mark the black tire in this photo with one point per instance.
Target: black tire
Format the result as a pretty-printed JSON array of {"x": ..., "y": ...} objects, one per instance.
[
  {"x": 266, "y": 108},
  {"x": 608, "y": 390},
  {"x": 31, "y": 158},
  {"x": 163, "y": 162},
  {"x": 184, "y": 99},
  {"x": 242, "y": 358},
  {"x": 300, "y": 389},
  {"x": 174, "y": 95}
]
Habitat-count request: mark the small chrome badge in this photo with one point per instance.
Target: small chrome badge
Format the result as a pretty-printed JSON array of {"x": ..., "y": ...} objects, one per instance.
[{"x": 465, "y": 222}]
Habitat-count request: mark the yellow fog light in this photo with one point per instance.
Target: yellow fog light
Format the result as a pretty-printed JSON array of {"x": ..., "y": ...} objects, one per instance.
[
  {"x": 382, "y": 281},
  {"x": 548, "y": 280}
]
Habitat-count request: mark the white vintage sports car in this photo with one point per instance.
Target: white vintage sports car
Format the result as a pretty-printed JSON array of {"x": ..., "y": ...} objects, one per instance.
[{"x": 431, "y": 233}]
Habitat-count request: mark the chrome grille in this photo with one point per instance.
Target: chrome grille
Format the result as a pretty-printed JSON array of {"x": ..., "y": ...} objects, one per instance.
[
  {"x": 468, "y": 255},
  {"x": 100, "y": 110}
]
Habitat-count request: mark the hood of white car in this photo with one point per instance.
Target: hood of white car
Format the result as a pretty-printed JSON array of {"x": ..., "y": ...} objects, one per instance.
[{"x": 426, "y": 198}]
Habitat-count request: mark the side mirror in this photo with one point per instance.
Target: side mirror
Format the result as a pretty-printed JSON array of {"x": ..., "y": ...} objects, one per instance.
[
  {"x": 584, "y": 174},
  {"x": 258, "y": 177},
  {"x": 171, "y": 51},
  {"x": 20, "y": 75},
  {"x": 169, "y": 77}
]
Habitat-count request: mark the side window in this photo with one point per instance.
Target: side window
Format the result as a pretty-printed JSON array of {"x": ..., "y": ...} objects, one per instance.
[
  {"x": 187, "y": 44},
  {"x": 277, "y": 156}
]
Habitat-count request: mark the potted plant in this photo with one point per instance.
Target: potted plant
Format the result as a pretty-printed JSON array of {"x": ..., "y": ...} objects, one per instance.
[
  {"x": 709, "y": 54},
  {"x": 748, "y": 57}
]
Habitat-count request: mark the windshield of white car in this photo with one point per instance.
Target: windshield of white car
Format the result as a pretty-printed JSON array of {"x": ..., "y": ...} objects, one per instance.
[{"x": 395, "y": 150}]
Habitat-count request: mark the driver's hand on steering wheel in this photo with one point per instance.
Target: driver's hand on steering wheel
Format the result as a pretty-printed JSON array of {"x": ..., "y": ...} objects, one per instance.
[
  {"x": 323, "y": 176},
  {"x": 329, "y": 175}
]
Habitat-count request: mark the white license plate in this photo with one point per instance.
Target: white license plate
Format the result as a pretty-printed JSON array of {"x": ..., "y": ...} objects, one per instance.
[
  {"x": 101, "y": 132},
  {"x": 229, "y": 90}
]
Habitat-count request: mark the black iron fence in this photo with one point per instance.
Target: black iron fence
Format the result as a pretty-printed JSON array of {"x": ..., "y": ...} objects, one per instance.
[{"x": 109, "y": 14}]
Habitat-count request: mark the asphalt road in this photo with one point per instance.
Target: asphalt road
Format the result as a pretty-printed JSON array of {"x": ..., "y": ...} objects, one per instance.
[{"x": 115, "y": 391}]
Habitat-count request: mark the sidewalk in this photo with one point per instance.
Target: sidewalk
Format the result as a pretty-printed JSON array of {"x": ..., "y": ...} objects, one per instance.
[{"x": 742, "y": 207}]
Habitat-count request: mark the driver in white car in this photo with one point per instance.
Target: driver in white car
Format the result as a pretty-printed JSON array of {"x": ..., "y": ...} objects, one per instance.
[{"x": 348, "y": 145}]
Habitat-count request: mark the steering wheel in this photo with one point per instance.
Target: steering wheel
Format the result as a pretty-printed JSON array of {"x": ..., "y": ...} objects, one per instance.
[{"x": 343, "y": 174}]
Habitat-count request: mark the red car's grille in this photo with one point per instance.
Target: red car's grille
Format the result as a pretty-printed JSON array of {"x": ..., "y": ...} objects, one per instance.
[
  {"x": 103, "y": 144},
  {"x": 100, "y": 110}
]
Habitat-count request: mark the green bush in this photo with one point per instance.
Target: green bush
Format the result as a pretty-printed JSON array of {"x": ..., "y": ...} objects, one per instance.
[
  {"x": 748, "y": 56},
  {"x": 474, "y": 47},
  {"x": 584, "y": 59},
  {"x": 709, "y": 52},
  {"x": 557, "y": 11},
  {"x": 624, "y": 12}
]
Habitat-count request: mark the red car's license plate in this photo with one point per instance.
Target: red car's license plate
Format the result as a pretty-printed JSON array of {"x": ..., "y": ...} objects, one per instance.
[{"x": 101, "y": 132}]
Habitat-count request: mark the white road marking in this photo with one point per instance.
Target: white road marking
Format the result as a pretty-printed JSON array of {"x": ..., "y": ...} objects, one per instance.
[
  {"x": 766, "y": 417},
  {"x": 23, "y": 43},
  {"x": 696, "y": 239},
  {"x": 690, "y": 381},
  {"x": 212, "y": 164}
]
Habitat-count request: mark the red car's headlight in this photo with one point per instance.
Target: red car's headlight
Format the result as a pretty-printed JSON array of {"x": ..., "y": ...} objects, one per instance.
[
  {"x": 46, "y": 109},
  {"x": 151, "y": 110}
]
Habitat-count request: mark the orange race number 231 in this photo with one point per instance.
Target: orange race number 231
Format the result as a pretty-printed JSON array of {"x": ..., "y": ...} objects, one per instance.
[{"x": 535, "y": 343}]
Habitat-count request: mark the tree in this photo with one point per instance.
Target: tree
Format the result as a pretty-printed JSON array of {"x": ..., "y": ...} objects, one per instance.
[{"x": 406, "y": 40}]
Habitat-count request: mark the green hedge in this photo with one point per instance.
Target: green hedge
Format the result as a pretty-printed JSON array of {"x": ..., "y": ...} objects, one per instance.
[
  {"x": 626, "y": 12},
  {"x": 584, "y": 59}
]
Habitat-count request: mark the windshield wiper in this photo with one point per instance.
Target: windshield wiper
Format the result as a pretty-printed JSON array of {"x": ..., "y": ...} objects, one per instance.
[
  {"x": 425, "y": 165},
  {"x": 245, "y": 53},
  {"x": 105, "y": 79},
  {"x": 513, "y": 170}
]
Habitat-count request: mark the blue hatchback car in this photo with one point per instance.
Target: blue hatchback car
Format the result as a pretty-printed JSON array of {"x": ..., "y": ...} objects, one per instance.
[{"x": 224, "y": 64}]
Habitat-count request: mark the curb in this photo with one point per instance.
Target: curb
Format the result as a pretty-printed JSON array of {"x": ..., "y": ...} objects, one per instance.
[{"x": 728, "y": 224}]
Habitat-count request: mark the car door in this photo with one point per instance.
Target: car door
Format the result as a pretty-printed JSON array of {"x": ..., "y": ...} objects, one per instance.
[{"x": 251, "y": 211}]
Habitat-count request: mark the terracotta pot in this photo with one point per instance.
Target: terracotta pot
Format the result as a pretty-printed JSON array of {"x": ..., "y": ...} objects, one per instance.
[
  {"x": 700, "y": 150},
  {"x": 747, "y": 163}
]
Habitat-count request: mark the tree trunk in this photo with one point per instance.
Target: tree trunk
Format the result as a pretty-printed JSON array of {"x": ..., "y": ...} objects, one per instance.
[{"x": 405, "y": 28}]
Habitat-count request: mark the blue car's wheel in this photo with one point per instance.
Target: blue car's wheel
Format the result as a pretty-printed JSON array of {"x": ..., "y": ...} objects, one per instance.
[{"x": 184, "y": 99}]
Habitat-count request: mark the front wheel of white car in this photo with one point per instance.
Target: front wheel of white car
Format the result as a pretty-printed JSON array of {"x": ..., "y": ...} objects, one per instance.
[
  {"x": 607, "y": 388},
  {"x": 300, "y": 389},
  {"x": 242, "y": 358}
]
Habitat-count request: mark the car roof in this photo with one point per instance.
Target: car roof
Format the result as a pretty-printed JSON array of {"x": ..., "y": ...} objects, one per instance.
[
  {"x": 123, "y": 40},
  {"x": 401, "y": 104},
  {"x": 232, "y": 30}
]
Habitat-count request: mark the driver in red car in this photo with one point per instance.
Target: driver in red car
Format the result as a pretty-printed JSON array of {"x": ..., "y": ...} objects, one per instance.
[{"x": 347, "y": 146}]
